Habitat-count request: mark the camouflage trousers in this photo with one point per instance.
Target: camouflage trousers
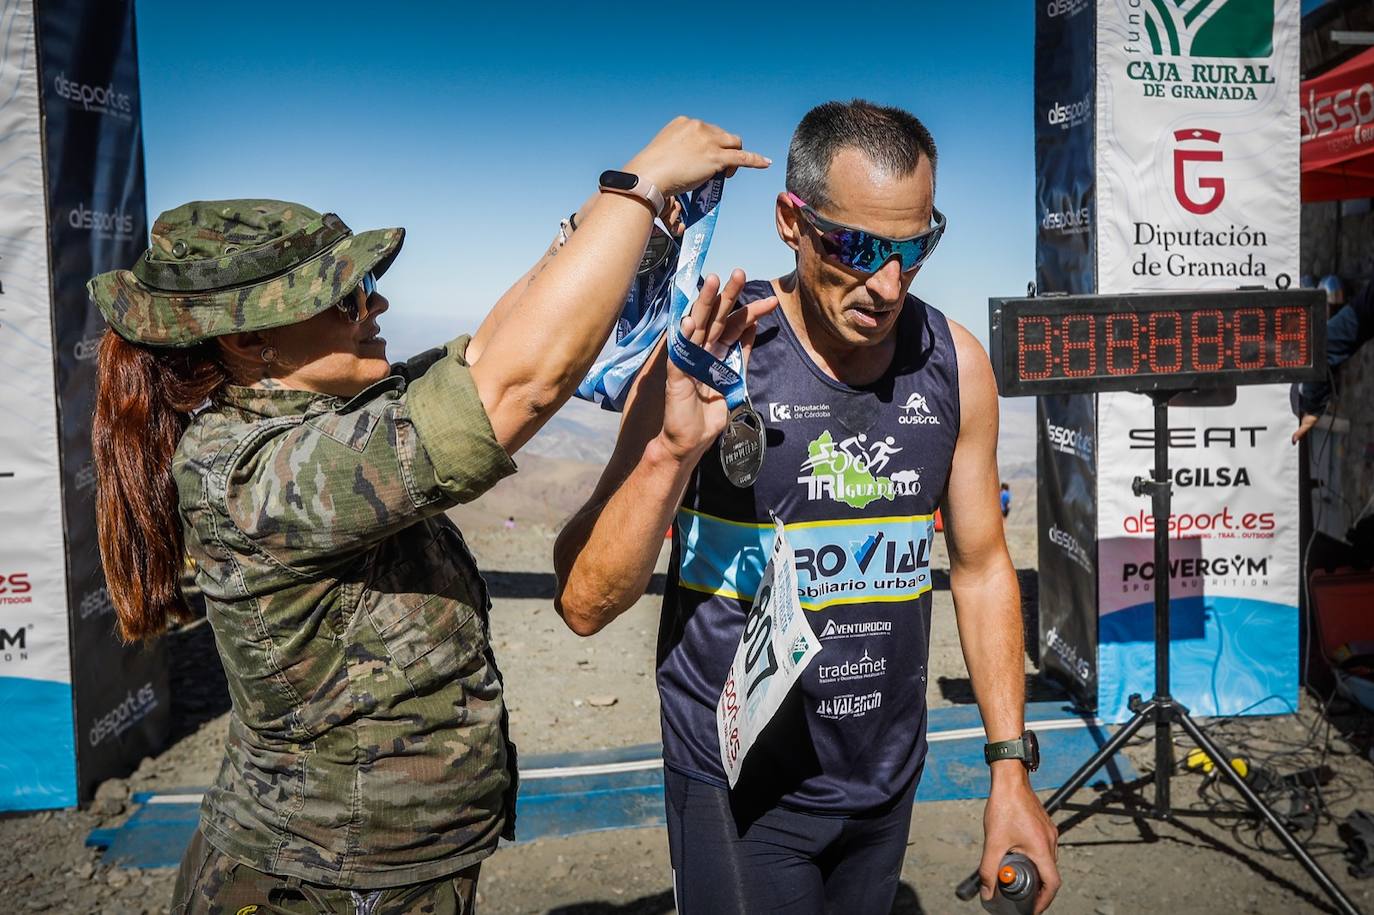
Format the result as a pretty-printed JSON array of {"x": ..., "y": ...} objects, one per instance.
[{"x": 211, "y": 883}]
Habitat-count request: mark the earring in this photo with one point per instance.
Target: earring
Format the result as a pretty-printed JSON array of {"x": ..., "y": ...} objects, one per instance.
[{"x": 269, "y": 354}]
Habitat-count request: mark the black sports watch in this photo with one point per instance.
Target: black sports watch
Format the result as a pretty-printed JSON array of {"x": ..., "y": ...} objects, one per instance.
[{"x": 1025, "y": 748}]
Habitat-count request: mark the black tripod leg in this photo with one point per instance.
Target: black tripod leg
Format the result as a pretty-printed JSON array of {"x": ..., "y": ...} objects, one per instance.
[
  {"x": 968, "y": 887},
  {"x": 1221, "y": 760}
]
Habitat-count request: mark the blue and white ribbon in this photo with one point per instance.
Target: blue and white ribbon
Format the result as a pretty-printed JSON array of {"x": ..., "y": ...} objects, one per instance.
[{"x": 660, "y": 299}]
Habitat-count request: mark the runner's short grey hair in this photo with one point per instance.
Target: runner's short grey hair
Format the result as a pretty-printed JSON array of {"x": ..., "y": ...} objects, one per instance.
[{"x": 894, "y": 139}]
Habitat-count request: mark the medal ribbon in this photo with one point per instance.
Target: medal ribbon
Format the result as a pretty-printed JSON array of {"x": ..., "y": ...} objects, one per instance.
[{"x": 659, "y": 300}]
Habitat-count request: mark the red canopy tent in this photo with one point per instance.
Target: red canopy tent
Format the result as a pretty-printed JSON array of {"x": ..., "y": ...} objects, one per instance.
[{"x": 1338, "y": 132}]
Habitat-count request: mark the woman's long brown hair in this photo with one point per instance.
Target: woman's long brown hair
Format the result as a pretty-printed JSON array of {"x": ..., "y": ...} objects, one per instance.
[{"x": 144, "y": 401}]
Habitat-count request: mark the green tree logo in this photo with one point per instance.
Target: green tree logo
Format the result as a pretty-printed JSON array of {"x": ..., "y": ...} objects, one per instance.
[{"x": 1210, "y": 28}]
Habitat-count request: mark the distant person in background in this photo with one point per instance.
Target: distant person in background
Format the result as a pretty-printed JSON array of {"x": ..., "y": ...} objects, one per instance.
[
  {"x": 246, "y": 414},
  {"x": 510, "y": 523},
  {"x": 1347, "y": 330},
  {"x": 1006, "y": 500}
]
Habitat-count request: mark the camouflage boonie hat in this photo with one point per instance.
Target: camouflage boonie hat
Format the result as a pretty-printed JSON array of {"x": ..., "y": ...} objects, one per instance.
[{"x": 222, "y": 266}]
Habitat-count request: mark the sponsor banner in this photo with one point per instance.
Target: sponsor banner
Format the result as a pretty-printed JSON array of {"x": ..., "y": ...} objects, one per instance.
[
  {"x": 851, "y": 561},
  {"x": 1337, "y": 111},
  {"x": 37, "y": 759},
  {"x": 1064, "y": 189},
  {"x": 96, "y": 221},
  {"x": 1066, "y": 465},
  {"x": 1233, "y": 556},
  {"x": 1197, "y": 188},
  {"x": 1197, "y": 158}
]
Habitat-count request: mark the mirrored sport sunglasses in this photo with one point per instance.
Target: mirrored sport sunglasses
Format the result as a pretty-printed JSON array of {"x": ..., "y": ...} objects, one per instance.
[
  {"x": 354, "y": 308},
  {"x": 865, "y": 252}
]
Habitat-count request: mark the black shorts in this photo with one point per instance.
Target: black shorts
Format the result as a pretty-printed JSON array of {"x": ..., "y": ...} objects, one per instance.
[{"x": 781, "y": 860}]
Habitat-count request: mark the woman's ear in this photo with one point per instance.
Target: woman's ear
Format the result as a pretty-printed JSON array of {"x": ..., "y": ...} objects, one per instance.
[{"x": 246, "y": 355}]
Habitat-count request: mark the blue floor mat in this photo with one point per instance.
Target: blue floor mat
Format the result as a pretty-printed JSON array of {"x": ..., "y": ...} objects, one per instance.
[{"x": 569, "y": 793}]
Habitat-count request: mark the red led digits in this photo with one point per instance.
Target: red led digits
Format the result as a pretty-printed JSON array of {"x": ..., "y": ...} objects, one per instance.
[
  {"x": 1027, "y": 346},
  {"x": 1290, "y": 337},
  {"x": 1208, "y": 328},
  {"x": 1248, "y": 346},
  {"x": 1084, "y": 341},
  {"x": 1158, "y": 341},
  {"x": 1117, "y": 342}
]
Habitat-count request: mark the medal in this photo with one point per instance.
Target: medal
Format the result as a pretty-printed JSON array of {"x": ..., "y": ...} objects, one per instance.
[
  {"x": 742, "y": 445},
  {"x": 655, "y": 252}
]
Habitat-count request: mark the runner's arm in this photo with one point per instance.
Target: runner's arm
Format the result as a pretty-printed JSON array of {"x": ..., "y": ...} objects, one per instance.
[
  {"x": 605, "y": 555},
  {"x": 987, "y": 605}
]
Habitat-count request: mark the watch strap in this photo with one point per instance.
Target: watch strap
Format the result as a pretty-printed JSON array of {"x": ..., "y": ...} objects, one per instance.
[
  {"x": 644, "y": 190},
  {"x": 1005, "y": 749}
]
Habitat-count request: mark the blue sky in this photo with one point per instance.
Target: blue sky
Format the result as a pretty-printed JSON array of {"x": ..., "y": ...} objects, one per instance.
[{"x": 477, "y": 128}]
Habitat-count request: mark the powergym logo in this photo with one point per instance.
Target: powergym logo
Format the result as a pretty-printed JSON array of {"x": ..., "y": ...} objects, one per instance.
[
  {"x": 916, "y": 412},
  {"x": 1067, "y": 222},
  {"x": 1195, "y": 572},
  {"x": 123, "y": 716},
  {"x": 1070, "y": 545},
  {"x": 834, "y": 630},
  {"x": 864, "y": 668},
  {"x": 837, "y": 708},
  {"x": 1235, "y": 29},
  {"x": 114, "y": 224},
  {"x": 1071, "y": 115},
  {"x": 1077, "y": 442},
  {"x": 786, "y": 412},
  {"x": 15, "y": 588},
  {"x": 100, "y": 99},
  {"x": 1056, "y": 8},
  {"x": 1069, "y": 655},
  {"x": 14, "y": 646}
]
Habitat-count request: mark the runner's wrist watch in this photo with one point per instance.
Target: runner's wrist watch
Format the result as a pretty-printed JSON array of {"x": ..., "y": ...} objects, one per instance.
[
  {"x": 632, "y": 185},
  {"x": 1025, "y": 748}
]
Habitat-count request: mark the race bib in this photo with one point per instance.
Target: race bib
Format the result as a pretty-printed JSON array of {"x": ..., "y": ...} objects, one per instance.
[{"x": 775, "y": 648}]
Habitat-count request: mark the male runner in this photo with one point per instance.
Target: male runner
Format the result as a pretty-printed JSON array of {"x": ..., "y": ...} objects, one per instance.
[{"x": 878, "y": 410}]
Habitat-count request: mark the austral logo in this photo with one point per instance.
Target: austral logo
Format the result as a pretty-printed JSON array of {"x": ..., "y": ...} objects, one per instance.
[
  {"x": 916, "y": 412},
  {"x": 100, "y": 99},
  {"x": 111, "y": 224},
  {"x": 1164, "y": 40},
  {"x": 1197, "y": 193},
  {"x": 861, "y": 629}
]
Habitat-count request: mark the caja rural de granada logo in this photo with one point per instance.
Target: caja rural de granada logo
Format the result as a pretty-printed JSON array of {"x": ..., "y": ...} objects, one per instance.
[{"x": 1166, "y": 38}]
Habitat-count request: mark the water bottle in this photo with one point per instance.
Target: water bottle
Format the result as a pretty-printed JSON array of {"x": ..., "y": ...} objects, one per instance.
[{"x": 1018, "y": 882}]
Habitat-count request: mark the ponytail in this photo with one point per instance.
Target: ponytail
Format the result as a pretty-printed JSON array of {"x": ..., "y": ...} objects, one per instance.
[{"x": 144, "y": 401}]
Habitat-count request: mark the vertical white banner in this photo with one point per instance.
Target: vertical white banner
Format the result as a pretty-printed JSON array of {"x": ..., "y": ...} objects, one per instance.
[
  {"x": 37, "y": 756},
  {"x": 1197, "y": 188}
]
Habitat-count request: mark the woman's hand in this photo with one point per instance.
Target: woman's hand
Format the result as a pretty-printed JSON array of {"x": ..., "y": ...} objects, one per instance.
[
  {"x": 687, "y": 152},
  {"x": 694, "y": 413}
]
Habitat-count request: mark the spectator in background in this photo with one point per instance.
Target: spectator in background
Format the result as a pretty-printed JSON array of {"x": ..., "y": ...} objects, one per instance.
[
  {"x": 1347, "y": 330},
  {"x": 1006, "y": 500}
]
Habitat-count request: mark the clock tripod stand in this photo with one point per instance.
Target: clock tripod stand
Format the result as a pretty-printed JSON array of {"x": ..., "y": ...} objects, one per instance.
[{"x": 1163, "y": 711}]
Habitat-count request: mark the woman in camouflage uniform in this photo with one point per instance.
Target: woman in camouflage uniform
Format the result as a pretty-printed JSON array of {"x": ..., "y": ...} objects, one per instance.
[{"x": 247, "y": 416}]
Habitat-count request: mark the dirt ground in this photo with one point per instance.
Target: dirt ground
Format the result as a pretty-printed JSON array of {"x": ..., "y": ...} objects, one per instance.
[{"x": 1111, "y": 866}]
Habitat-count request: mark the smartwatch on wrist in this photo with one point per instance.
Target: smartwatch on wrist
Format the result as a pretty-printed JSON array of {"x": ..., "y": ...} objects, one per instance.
[
  {"x": 1025, "y": 748},
  {"x": 617, "y": 182}
]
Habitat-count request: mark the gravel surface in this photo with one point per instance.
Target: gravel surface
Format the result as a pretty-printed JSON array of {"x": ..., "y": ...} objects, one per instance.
[{"x": 567, "y": 693}]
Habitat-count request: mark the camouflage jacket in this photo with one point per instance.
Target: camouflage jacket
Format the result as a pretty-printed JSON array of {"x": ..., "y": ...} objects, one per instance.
[{"x": 367, "y": 742}]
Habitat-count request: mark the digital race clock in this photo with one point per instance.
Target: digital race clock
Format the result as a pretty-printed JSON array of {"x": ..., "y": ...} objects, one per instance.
[{"x": 1075, "y": 344}]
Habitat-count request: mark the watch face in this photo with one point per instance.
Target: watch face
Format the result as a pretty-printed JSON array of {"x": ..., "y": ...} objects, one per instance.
[
  {"x": 619, "y": 181},
  {"x": 1032, "y": 744}
]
